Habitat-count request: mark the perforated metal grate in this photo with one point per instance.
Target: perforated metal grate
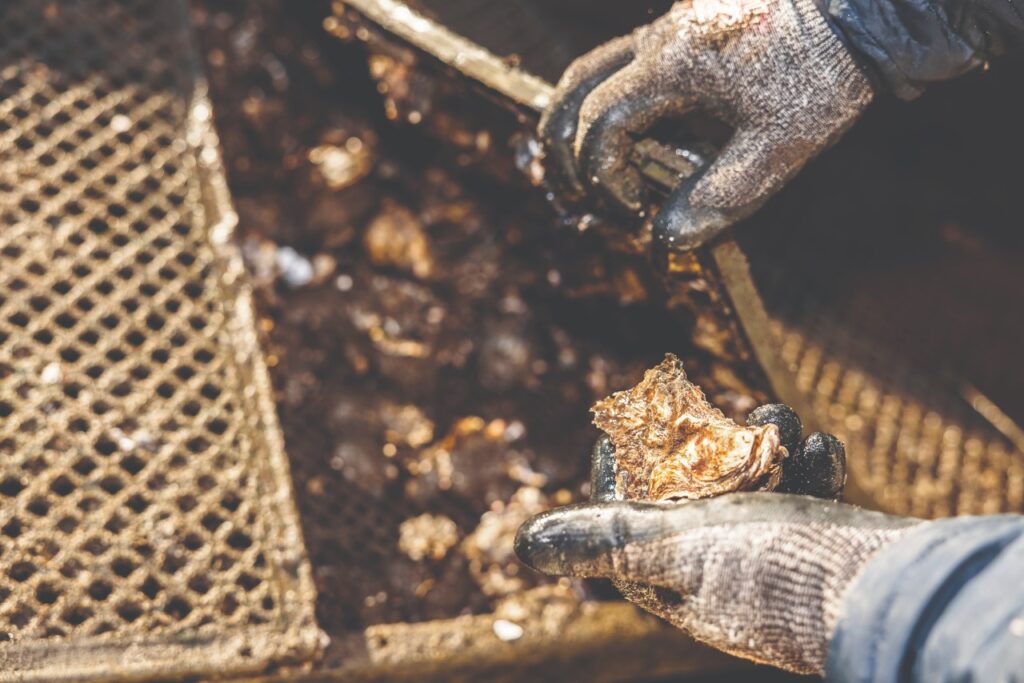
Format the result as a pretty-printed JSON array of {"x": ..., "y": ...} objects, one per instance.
[
  {"x": 908, "y": 352},
  {"x": 144, "y": 496},
  {"x": 919, "y": 450}
]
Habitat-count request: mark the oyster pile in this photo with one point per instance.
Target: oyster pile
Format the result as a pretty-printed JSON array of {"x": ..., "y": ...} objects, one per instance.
[{"x": 670, "y": 443}]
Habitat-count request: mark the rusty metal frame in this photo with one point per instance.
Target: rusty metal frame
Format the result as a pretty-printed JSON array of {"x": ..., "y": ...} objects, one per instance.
[{"x": 129, "y": 648}]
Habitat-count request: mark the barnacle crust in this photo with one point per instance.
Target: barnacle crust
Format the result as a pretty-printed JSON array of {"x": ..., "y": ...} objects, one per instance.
[{"x": 670, "y": 443}]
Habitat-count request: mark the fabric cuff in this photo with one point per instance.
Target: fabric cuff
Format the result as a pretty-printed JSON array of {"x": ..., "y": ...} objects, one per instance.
[
  {"x": 904, "y": 44},
  {"x": 890, "y": 609}
]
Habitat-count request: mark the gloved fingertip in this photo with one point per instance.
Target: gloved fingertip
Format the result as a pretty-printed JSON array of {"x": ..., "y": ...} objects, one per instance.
[
  {"x": 610, "y": 119},
  {"x": 551, "y": 542},
  {"x": 530, "y": 543},
  {"x": 580, "y": 540},
  {"x": 682, "y": 227},
  {"x": 816, "y": 468},
  {"x": 558, "y": 125},
  {"x": 604, "y": 161},
  {"x": 557, "y": 132},
  {"x": 783, "y": 417}
]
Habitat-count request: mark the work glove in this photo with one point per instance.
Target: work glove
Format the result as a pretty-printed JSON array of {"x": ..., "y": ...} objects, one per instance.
[
  {"x": 773, "y": 70},
  {"x": 758, "y": 575}
]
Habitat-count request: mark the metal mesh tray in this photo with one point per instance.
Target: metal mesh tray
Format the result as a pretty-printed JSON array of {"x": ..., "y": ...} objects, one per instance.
[{"x": 147, "y": 525}]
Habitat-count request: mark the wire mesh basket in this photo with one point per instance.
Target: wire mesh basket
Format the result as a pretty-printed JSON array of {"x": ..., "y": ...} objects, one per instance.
[{"x": 148, "y": 526}]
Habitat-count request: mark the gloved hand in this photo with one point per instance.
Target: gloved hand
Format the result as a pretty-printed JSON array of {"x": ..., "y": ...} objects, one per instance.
[
  {"x": 759, "y": 575},
  {"x": 772, "y": 69}
]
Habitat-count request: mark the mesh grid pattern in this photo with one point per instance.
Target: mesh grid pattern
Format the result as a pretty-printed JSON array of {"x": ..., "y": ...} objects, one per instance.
[
  {"x": 144, "y": 494},
  {"x": 891, "y": 267},
  {"x": 921, "y": 437},
  {"x": 911, "y": 455}
]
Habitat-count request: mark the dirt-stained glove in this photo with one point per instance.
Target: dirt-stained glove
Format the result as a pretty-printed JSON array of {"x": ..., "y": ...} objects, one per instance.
[
  {"x": 759, "y": 575},
  {"x": 774, "y": 70}
]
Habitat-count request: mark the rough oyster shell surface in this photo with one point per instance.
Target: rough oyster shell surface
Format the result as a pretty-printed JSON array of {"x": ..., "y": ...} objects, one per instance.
[{"x": 670, "y": 443}]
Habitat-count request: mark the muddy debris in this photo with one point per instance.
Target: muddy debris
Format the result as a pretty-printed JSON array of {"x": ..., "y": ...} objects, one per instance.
[
  {"x": 488, "y": 549},
  {"x": 427, "y": 536},
  {"x": 395, "y": 238},
  {"x": 343, "y": 165}
]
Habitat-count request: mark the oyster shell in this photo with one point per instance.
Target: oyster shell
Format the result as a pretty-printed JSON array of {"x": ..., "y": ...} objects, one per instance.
[{"x": 670, "y": 443}]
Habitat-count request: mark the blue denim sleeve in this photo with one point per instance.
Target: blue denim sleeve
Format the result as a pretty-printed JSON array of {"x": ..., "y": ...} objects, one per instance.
[
  {"x": 944, "y": 604},
  {"x": 906, "y": 44}
]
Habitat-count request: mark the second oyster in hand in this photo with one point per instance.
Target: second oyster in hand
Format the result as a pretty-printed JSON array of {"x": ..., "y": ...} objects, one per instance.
[{"x": 670, "y": 443}]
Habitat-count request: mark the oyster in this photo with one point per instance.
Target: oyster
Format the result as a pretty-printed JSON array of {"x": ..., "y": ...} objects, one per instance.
[{"x": 670, "y": 443}]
